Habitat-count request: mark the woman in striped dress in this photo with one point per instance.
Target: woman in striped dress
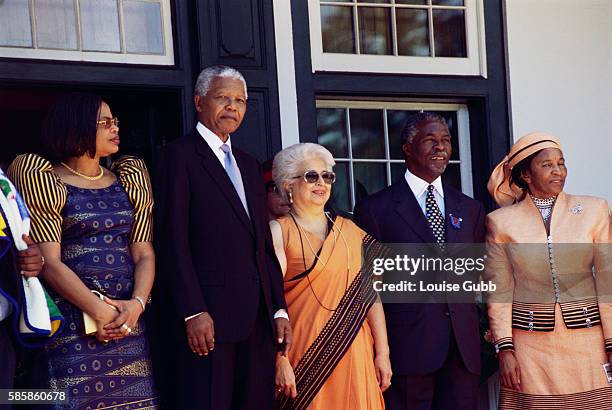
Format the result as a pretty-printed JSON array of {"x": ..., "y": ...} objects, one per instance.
[{"x": 93, "y": 226}]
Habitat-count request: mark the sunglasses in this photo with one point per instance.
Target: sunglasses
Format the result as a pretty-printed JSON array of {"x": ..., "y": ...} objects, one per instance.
[
  {"x": 313, "y": 176},
  {"x": 108, "y": 122}
]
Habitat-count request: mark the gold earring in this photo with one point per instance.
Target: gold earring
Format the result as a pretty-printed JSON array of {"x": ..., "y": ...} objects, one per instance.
[{"x": 290, "y": 197}]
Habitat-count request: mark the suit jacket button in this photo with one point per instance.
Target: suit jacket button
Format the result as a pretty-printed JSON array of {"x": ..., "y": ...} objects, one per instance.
[{"x": 447, "y": 314}]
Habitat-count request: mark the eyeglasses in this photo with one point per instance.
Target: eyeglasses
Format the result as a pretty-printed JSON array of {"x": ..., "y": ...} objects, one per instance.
[
  {"x": 108, "y": 122},
  {"x": 313, "y": 176}
]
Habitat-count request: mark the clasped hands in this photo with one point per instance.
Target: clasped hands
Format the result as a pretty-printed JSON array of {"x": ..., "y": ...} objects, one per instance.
[
  {"x": 201, "y": 334},
  {"x": 119, "y": 320}
]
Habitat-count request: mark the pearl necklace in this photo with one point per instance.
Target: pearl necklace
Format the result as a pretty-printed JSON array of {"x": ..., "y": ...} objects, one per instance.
[
  {"x": 544, "y": 206},
  {"x": 87, "y": 177}
]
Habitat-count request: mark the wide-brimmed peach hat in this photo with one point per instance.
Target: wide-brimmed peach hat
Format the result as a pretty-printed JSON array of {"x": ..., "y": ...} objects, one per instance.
[{"x": 500, "y": 186}]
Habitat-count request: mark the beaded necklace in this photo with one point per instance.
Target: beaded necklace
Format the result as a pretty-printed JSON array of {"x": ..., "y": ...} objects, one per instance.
[
  {"x": 545, "y": 206},
  {"x": 348, "y": 255}
]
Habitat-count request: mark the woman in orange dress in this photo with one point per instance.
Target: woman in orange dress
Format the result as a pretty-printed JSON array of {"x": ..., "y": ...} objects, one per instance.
[{"x": 339, "y": 356}]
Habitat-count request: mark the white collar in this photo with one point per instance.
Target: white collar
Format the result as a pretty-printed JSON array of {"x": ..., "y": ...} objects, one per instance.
[
  {"x": 419, "y": 186},
  {"x": 213, "y": 141}
]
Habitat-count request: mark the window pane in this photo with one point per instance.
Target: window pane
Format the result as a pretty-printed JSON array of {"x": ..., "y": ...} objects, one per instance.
[
  {"x": 412, "y": 32},
  {"x": 340, "y": 197},
  {"x": 337, "y": 29},
  {"x": 395, "y": 121},
  {"x": 369, "y": 178},
  {"x": 331, "y": 130},
  {"x": 411, "y": 1},
  {"x": 15, "y": 28},
  {"x": 367, "y": 134},
  {"x": 397, "y": 171},
  {"x": 55, "y": 24},
  {"x": 449, "y": 33},
  {"x": 452, "y": 176},
  {"x": 447, "y": 2},
  {"x": 374, "y": 1},
  {"x": 143, "y": 27},
  {"x": 100, "y": 25},
  {"x": 375, "y": 30}
]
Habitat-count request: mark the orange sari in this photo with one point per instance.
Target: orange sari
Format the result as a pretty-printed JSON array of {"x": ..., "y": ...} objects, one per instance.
[{"x": 328, "y": 298}]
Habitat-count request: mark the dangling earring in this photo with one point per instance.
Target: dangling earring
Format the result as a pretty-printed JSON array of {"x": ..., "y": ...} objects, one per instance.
[{"x": 290, "y": 197}]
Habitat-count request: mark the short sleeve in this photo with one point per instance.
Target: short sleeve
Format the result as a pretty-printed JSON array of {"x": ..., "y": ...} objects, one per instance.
[
  {"x": 44, "y": 194},
  {"x": 134, "y": 177}
]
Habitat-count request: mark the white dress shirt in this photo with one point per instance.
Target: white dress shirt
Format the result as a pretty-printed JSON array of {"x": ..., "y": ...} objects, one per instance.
[
  {"x": 214, "y": 142},
  {"x": 419, "y": 186}
]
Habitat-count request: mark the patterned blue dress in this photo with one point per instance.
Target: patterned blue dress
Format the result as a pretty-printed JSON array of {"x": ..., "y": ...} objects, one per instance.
[{"x": 96, "y": 232}]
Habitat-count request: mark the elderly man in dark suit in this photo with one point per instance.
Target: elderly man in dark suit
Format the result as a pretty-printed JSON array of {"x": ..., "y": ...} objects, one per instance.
[
  {"x": 434, "y": 347},
  {"x": 225, "y": 281}
]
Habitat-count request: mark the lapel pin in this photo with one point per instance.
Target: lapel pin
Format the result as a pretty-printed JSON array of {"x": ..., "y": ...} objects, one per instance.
[
  {"x": 577, "y": 209},
  {"x": 455, "y": 221}
]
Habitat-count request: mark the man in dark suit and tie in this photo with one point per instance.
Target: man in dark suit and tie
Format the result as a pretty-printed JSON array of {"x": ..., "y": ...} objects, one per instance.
[
  {"x": 216, "y": 248},
  {"x": 434, "y": 347}
]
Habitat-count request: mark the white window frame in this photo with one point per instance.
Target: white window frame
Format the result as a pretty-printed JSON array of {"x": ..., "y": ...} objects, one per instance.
[
  {"x": 99, "y": 56},
  {"x": 463, "y": 133},
  {"x": 473, "y": 64}
]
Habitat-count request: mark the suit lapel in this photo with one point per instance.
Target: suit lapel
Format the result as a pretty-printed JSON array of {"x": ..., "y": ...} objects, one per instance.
[
  {"x": 527, "y": 211},
  {"x": 211, "y": 164},
  {"x": 452, "y": 205},
  {"x": 409, "y": 210},
  {"x": 250, "y": 180},
  {"x": 559, "y": 214}
]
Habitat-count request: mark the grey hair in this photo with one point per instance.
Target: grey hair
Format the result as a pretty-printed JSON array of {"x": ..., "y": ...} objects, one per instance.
[
  {"x": 210, "y": 73},
  {"x": 288, "y": 162},
  {"x": 410, "y": 127}
]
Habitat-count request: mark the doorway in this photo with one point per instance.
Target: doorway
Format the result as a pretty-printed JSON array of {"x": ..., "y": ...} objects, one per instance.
[{"x": 150, "y": 117}]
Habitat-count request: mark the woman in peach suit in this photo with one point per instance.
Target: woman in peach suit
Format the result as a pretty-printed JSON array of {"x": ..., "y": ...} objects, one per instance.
[
  {"x": 549, "y": 318},
  {"x": 339, "y": 355}
]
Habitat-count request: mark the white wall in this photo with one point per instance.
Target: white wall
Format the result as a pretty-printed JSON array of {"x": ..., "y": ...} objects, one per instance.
[{"x": 560, "y": 69}]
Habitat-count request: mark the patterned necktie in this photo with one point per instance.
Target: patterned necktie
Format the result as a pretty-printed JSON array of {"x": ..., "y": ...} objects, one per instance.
[
  {"x": 434, "y": 216},
  {"x": 233, "y": 172}
]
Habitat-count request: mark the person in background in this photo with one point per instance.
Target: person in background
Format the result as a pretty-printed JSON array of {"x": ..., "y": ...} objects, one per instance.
[
  {"x": 435, "y": 347},
  {"x": 340, "y": 356},
  {"x": 277, "y": 205},
  {"x": 29, "y": 263},
  {"x": 549, "y": 256},
  {"x": 94, "y": 228}
]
